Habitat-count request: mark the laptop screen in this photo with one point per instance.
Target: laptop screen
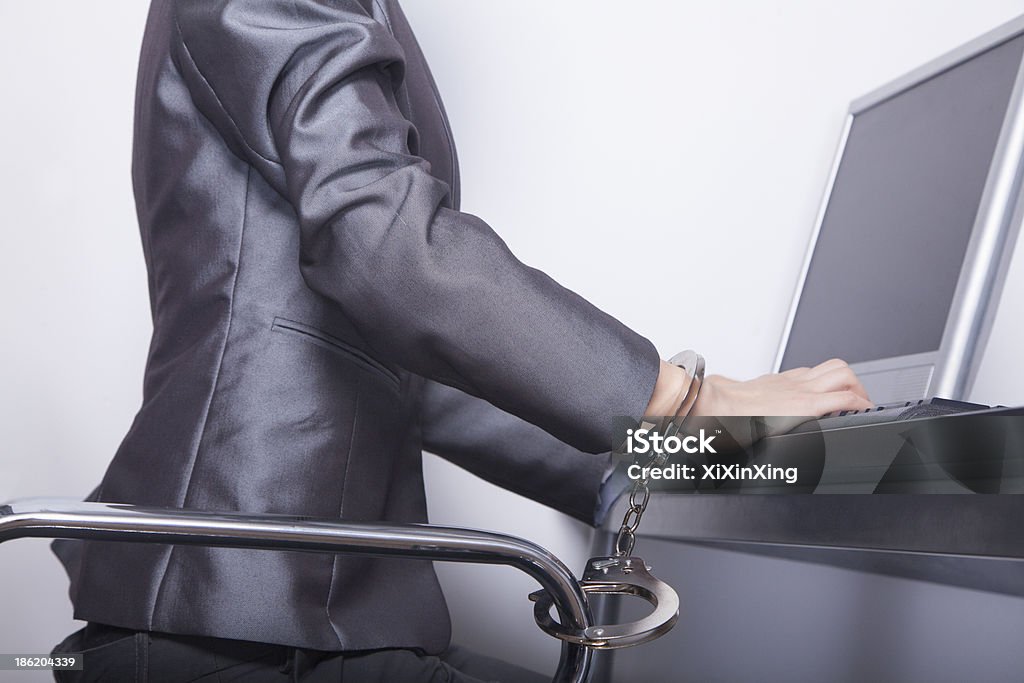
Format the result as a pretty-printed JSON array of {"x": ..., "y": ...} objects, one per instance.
[{"x": 894, "y": 233}]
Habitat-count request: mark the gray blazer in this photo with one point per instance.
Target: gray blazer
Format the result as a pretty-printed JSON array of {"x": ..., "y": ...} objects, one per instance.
[{"x": 322, "y": 312}]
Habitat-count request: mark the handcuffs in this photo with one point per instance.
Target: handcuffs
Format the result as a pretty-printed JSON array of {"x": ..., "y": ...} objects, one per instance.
[{"x": 624, "y": 573}]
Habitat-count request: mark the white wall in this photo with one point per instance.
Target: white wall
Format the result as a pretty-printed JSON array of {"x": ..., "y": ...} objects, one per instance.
[
  {"x": 664, "y": 159},
  {"x": 75, "y": 319}
]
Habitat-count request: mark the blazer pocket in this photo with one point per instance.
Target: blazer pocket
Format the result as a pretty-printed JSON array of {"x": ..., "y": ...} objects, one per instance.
[{"x": 338, "y": 346}]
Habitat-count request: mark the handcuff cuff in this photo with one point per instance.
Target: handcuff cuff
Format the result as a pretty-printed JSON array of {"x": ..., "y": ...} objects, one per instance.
[{"x": 623, "y": 573}]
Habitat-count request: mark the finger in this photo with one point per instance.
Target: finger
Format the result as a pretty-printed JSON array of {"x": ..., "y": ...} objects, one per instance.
[
  {"x": 859, "y": 389},
  {"x": 826, "y": 367},
  {"x": 834, "y": 401},
  {"x": 837, "y": 380}
]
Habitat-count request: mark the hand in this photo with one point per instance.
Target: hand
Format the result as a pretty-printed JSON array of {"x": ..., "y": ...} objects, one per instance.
[{"x": 800, "y": 392}]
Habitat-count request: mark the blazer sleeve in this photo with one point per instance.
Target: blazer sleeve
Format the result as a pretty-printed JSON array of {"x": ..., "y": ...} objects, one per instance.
[
  {"x": 306, "y": 91},
  {"x": 512, "y": 453}
]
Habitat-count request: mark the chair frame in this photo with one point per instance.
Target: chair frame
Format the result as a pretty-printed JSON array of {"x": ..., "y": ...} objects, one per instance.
[{"x": 69, "y": 518}]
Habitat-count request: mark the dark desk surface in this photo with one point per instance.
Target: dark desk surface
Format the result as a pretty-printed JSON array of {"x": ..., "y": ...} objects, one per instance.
[{"x": 908, "y": 515}]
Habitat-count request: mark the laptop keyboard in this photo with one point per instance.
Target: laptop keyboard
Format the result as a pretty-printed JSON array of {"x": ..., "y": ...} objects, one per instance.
[{"x": 893, "y": 412}]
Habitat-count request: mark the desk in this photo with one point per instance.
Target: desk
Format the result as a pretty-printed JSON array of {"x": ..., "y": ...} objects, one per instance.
[{"x": 927, "y": 515}]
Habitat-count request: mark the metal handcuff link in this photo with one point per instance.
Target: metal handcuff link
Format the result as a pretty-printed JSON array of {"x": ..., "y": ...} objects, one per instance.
[{"x": 624, "y": 573}]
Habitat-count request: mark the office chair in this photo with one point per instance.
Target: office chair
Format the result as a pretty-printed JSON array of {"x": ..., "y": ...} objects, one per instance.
[{"x": 611, "y": 575}]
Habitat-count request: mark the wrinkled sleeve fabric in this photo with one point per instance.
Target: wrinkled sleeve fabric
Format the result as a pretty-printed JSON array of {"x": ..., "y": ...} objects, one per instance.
[{"x": 307, "y": 92}]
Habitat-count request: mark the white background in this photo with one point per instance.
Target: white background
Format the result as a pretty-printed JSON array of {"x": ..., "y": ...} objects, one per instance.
[{"x": 664, "y": 159}]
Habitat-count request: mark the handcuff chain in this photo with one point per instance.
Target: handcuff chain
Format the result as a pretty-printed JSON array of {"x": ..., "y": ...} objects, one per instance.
[
  {"x": 640, "y": 494},
  {"x": 639, "y": 497}
]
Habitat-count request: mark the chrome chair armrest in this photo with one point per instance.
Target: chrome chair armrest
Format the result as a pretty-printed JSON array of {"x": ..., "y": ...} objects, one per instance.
[{"x": 69, "y": 518}]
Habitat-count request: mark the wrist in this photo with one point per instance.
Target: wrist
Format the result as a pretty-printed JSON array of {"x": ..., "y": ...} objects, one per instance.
[
  {"x": 669, "y": 390},
  {"x": 708, "y": 400}
]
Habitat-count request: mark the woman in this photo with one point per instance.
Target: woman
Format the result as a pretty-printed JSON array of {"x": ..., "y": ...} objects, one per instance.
[{"x": 322, "y": 313}]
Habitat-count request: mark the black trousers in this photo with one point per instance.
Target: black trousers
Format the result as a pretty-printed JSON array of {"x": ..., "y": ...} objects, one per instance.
[{"x": 117, "y": 655}]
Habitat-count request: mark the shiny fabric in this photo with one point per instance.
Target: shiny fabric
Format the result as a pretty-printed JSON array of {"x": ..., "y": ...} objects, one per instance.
[{"x": 322, "y": 312}]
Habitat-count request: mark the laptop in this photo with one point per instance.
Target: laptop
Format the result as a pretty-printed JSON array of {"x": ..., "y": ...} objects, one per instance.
[{"x": 912, "y": 241}]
